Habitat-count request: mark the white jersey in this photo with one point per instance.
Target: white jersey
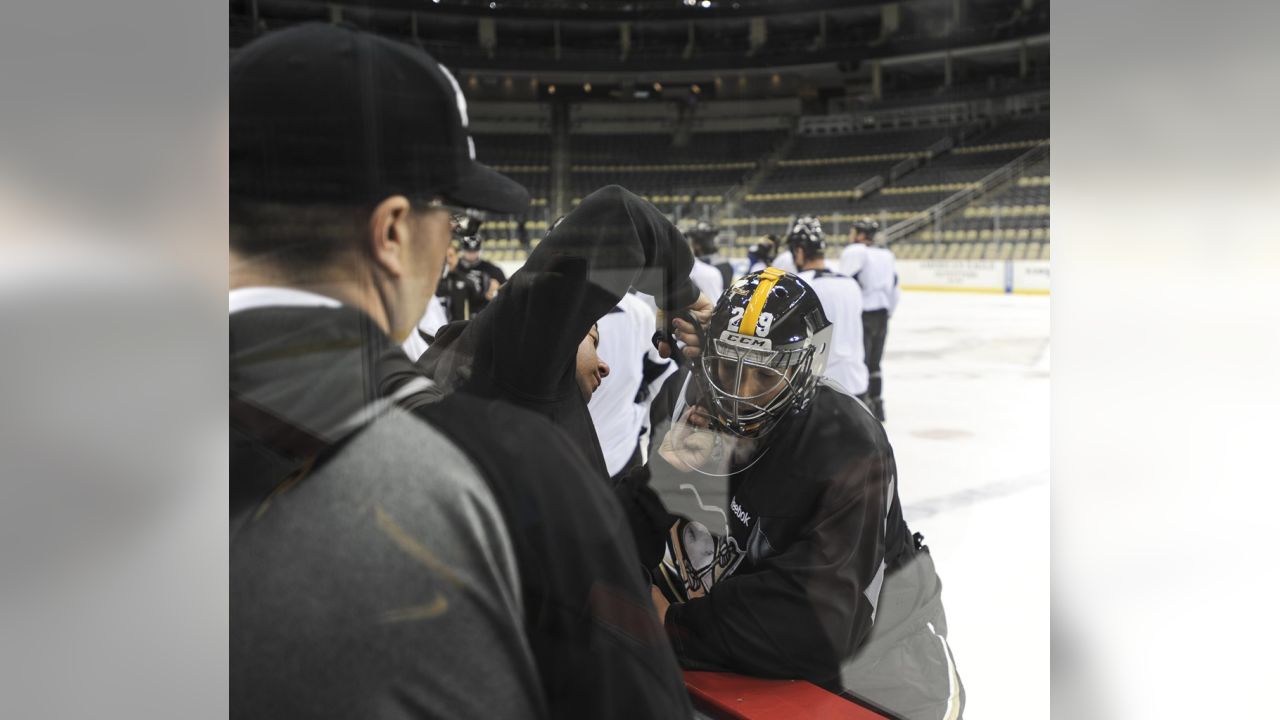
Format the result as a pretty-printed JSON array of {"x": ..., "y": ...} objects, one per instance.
[
  {"x": 852, "y": 258},
  {"x": 842, "y": 302},
  {"x": 879, "y": 280},
  {"x": 432, "y": 320},
  {"x": 625, "y": 335},
  {"x": 785, "y": 261},
  {"x": 708, "y": 279}
]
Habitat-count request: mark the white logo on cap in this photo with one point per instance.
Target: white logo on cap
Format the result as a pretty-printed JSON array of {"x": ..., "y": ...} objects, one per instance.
[{"x": 462, "y": 108}]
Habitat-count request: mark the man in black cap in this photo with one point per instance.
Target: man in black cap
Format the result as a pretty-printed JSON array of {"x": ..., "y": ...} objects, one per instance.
[{"x": 386, "y": 564}]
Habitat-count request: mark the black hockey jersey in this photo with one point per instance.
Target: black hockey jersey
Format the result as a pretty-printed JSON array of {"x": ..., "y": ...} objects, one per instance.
[{"x": 814, "y": 526}]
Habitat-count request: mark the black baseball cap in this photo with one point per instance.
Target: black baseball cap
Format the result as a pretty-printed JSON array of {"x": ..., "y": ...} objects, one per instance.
[{"x": 324, "y": 113}]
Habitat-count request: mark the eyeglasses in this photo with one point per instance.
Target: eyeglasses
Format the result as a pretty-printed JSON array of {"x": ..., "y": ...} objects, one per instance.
[{"x": 463, "y": 221}]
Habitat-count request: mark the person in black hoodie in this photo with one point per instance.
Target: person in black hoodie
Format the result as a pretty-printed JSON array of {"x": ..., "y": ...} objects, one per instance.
[
  {"x": 532, "y": 345},
  {"x": 525, "y": 346},
  {"x": 816, "y": 575},
  {"x": 385, "y": 563}
]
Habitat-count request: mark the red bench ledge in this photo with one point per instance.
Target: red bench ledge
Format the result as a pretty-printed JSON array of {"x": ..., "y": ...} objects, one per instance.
[{"x": 725, "y": 695}]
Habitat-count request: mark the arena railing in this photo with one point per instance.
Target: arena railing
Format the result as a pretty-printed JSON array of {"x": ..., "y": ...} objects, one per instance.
[{"x": 963, "y": 198}]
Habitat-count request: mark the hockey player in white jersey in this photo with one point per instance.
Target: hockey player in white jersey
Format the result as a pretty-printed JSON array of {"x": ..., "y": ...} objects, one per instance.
[
  {"x": 761, "y": 255},
  {"x": 786, "y": 259},
  {"x": 854, "y": 254},
  {"x": 707, "y": 278},
  {"x": 841, "y": 301},
  {"x": 620, "y": 406},
  {"x": 877, "y": 274}
]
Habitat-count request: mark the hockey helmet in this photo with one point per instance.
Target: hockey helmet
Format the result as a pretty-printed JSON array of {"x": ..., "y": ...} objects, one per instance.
[
  {"x": 765, "y": 348},
  {"x": 806, "y": 232},
  {"x": 765, "y": 250},
  {"x": 868, "y": 226},
  {"x": 703, "y": 237}
]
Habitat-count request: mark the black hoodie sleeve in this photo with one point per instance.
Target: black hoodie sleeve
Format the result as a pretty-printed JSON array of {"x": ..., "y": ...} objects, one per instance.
[
  {"x": 625, "y": 241},
  {"x": 612, "y": 241}
]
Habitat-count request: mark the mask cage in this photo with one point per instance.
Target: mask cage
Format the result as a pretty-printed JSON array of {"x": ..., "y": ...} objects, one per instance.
[{"x": 748, "y": 415}]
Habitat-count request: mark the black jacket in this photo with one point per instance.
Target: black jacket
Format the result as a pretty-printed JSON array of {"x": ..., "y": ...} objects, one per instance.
[
  {"x": 589, "y": 621},
  {"x": 460, "y": 298},
  {"x": 478, "y": 277},
  {"x": 818, "y": 522},
  {"x": 523, "y": 347}
]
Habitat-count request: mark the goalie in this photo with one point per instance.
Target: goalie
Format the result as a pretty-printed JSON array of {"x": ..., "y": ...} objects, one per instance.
[{"x": 817, "y": 575}]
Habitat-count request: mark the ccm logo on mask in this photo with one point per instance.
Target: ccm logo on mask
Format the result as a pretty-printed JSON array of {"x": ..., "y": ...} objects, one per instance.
[{"x": 746, "y": 341}]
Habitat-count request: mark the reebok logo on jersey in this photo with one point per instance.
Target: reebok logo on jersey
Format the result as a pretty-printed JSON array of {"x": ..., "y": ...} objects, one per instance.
[{"x": 743, "y": 515}]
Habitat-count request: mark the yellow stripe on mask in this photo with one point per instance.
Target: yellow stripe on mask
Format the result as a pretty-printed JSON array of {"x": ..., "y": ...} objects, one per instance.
[{"x": 768, "y": 278}]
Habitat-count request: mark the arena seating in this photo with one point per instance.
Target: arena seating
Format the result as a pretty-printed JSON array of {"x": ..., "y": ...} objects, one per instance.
[
  {"x": 817, "y": 176},
  {"x": 525, "y": 157},
  {"x": 1012, "y": 223},
  {"x": 674, "y": 177}
]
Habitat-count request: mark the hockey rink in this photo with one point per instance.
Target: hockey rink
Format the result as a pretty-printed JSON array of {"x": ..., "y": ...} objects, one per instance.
[{"x": 966, "y": 390}]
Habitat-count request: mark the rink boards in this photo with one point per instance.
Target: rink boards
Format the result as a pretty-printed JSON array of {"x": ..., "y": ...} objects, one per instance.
[{"x": 1022, "y": 277}]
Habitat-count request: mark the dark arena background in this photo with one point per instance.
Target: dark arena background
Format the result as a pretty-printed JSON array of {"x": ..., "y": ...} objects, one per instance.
[{"x": 927, "y": 116}]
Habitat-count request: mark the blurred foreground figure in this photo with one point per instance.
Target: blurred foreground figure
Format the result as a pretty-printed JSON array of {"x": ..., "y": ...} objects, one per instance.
[
  {"x": 532, "y": 345},
  {"x": 526, "y": 346},
  {"x": 817, "y": 575},
  {"x": 386, "y": 564}
]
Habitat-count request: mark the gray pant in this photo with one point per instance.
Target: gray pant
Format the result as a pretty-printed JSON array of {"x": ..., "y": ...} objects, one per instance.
[{"x": 906, "y": 665}]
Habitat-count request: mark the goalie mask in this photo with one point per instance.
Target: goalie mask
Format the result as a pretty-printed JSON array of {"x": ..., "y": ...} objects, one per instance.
[{"x": 765, "y": 348}]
